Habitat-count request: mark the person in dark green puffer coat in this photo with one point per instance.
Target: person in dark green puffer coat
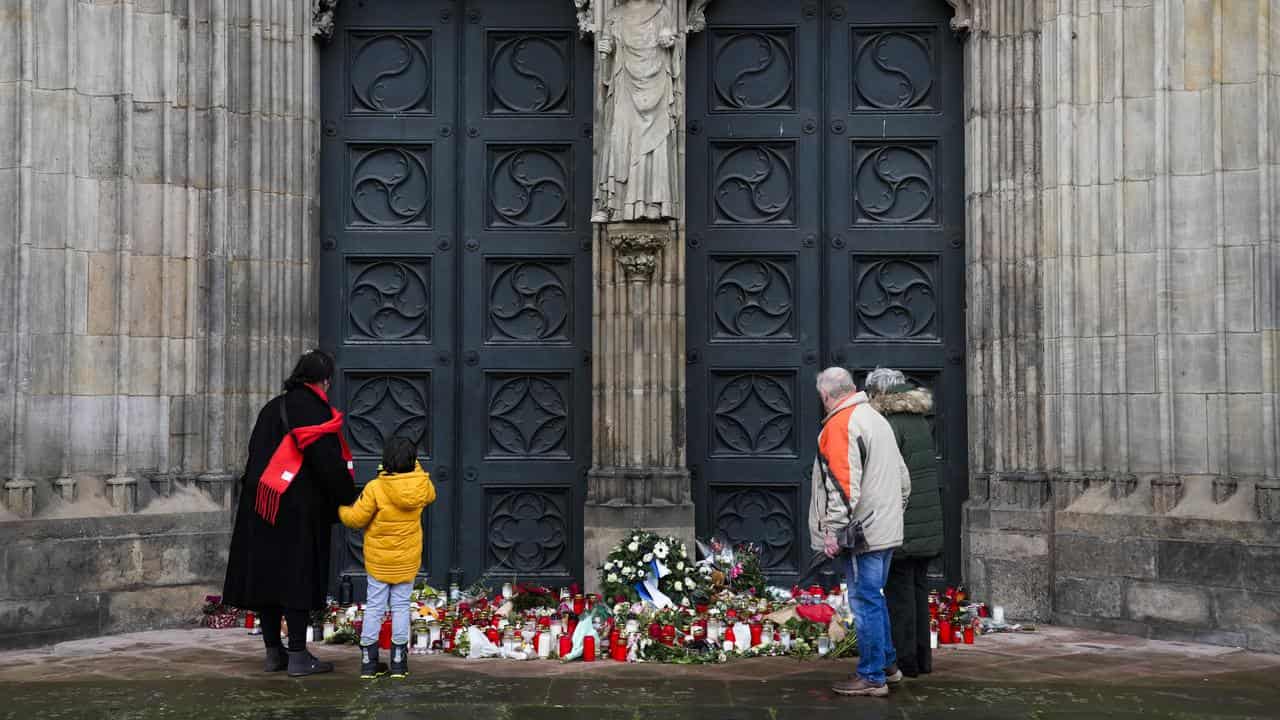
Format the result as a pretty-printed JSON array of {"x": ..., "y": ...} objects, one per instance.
[{"x": 908, "y": 410}]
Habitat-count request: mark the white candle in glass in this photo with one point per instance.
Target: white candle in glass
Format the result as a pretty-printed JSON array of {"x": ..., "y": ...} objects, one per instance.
[
  {"x": 997, "y": 614},
  {"x": 506, "y": 590},
  {"x": 544, "y": 645},
  {"x": 785, "y": 638},
  {"x": 824, "y": 645}
]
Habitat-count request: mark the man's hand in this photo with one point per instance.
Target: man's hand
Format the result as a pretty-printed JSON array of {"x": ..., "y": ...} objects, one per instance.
[
  {"x": 830, "y": 547},
  {"x": 604, "y": 46},
  {"x": 666, "y": 39}
]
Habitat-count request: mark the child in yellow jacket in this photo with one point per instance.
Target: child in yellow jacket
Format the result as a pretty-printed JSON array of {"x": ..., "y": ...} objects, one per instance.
[{"x": 389, "y": 511}]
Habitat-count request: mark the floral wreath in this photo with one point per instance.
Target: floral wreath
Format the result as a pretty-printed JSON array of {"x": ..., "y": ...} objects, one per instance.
[{"x": 644, "y": 556}]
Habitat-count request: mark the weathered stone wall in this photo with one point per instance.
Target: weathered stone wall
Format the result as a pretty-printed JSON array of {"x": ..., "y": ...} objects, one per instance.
[
  {"x": 157, "y": 183},
  {"x": 1123, "y": 313},
  {"x": 158, "y": 168},
  {"x": 63, "y": 579}
]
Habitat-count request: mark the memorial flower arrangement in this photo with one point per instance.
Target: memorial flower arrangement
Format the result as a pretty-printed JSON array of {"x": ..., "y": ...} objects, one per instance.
[
  {"x": 735, "y": 567},
  {"x": 659, "y": 604},
  {"x": 644, "y": 562},
  {"x": 218, "y": 615}
]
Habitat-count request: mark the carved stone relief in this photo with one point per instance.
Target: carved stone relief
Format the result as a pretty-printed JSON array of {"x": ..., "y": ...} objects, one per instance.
[{"x": 636, "y": 250}]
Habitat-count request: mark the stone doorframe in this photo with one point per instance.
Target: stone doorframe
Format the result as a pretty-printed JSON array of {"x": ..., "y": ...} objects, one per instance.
[{"x": 639, "y": 472}]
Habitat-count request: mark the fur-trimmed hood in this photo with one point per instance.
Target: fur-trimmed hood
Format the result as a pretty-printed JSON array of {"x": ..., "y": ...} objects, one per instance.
[{"x": 917, "y": 401}]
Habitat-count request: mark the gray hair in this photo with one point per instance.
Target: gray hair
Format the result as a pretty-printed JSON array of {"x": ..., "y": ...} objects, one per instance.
[
  {"x": 836, "y": 382},
  {"x": 882, "y": 380}
]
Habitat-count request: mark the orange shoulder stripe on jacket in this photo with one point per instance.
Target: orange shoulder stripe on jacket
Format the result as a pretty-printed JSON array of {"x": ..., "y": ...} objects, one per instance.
[{"x": 835, "y": 448}]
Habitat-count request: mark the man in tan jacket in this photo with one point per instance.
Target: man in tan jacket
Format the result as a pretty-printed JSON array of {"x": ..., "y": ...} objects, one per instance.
[{"x": 860, "y": 479}]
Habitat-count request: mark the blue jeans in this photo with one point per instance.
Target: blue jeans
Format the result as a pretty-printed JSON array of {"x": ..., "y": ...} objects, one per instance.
[
  {"x": 377, "y": 603},
  {"x": 866, "y": 575}
]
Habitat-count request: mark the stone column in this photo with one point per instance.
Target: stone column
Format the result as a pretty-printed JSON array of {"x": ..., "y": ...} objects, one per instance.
[
  {"x": 1122, "y": 203},
  {"x": 158, "y": 164},
  {"x": 639, "y": 477}
]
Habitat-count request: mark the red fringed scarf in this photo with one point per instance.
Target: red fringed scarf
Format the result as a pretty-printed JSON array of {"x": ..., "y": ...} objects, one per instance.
[{"x": 287, "y": 460}]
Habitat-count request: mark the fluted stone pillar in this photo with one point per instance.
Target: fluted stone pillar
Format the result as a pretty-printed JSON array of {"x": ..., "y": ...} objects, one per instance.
[
  {"x": 1122, "y": 196},
  {"x": 158, "y": 165},
  {"x": 639, "y": 476}
]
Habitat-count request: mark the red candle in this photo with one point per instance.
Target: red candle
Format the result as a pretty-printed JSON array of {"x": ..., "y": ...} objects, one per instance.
[
  {"x": 579, "y": 605},
  {"x": 669, "y": 635},
  {"x": 544, "y": 622},
  {"x": 570, "y": 626},
  {"x": 566, "y": 645},
  {"x": 494, "y": 636},
  {"x": 448, "y": 638},
  {"x": 249, "y": 620},
  {"x": 588, "y": 649},
  {"x": 614, "y": 639},
  {"x": 982, "y": 610},
  {"x": 756, "y": 630},
  {"x": 384, "y": 633},
  {"x": 944, "y": 632},
  {"x": 968, "y": 635},
  {"x": 620, "y": 652},
  {"x": 655, "y": 631},
  {"x": 701, "y": 608}
]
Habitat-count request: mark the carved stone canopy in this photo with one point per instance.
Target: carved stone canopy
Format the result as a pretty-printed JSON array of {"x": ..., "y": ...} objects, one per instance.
[
  {"x": 636, "y": 249},
  {"x": 965, "y": 19}
]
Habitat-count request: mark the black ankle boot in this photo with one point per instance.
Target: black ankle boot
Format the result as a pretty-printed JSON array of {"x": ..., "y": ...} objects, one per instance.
[
  {"x": 302, "y": 663},
  {"x": 370, "y": 668},
  {"x": 399, "y": 661},
  {"x": 277, "y": 659}
]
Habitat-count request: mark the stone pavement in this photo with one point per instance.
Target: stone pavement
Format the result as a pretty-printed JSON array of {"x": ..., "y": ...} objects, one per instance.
[{"x": 1054, "y": 673}]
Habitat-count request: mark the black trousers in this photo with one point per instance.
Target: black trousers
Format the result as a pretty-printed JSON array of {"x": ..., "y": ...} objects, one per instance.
[
  {"x": 907, "y": 595},
  {"x": 297, "y": 627}
]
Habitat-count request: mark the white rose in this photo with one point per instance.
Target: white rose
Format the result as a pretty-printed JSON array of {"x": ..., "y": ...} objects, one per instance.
[
  {"x": 613, "y": 578},
  {"x": 682, "y": 552},
  {"x": 648, "y": 557},
  {"x": 634, "y": 546},
  {"x": 679, "y": 566},
  {"x": 679, "y": 586}
]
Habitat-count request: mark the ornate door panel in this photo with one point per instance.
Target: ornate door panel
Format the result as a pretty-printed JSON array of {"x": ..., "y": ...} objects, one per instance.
[
  {"x": 825, "y": 226},
  {"x": 894, "y": 187},
  {"x": 526, "y": 291},
  {"x": 754, "y": 300},
  {"x": 454, "y": 289}
]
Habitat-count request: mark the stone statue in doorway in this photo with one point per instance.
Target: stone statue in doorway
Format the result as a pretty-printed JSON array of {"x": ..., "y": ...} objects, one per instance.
[{"x": 640, "y": 70}]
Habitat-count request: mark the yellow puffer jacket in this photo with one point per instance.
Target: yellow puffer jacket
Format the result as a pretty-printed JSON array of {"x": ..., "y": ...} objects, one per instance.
[{"x": 389, "y": 510}]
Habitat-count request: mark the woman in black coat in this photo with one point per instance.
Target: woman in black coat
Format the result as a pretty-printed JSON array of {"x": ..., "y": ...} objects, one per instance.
[
  {"x": 281, "y": 569},
  {"x": 907, "y": 592}
]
